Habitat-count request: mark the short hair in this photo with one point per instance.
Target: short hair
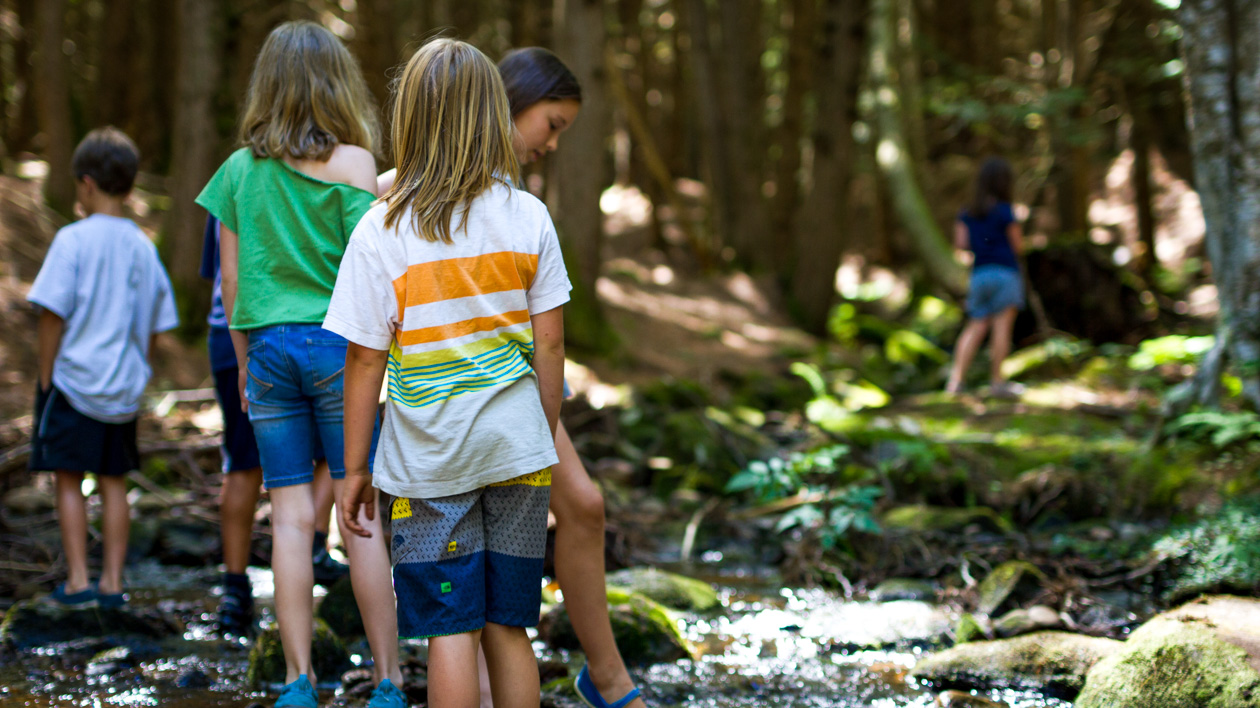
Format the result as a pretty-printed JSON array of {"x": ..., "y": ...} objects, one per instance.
[
  {"x": 307, "y": 95},
  {"x": 533, "y": 74},
  {"x": 110, "y": 158},
  {"x": 452, "y": 137}
]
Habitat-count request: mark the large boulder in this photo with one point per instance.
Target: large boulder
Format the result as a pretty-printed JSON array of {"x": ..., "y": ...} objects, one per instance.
[
  {"x": 646, "y": 631},
  {"x": 329, "y": 658},
  {"x": 36, "y": 623},
  {"x": 670, "y": 589},
  {"x": 1052, "y": 662},
  {"x": 1205, "y": 654},
  {"x": 340, "y": 610}
]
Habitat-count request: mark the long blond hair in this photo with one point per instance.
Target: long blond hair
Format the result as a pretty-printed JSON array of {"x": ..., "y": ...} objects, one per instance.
[
  {"x": 451, "y": 137},
  {"x": 306, "y": 96}
]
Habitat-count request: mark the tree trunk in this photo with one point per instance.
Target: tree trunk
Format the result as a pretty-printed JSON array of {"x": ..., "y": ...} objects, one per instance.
[
  {"x": 53, "y": 96},
  {"x": 377, "y": 48},
  {"x": 893, "y": 158},
  {"x": 22, "y": 130},
  {"x": 1222, "y": 53},
  {"x": 713, "y": 127},
  {"x": 193, "y": 154},
  {"x": 580, "y": 170},
  {"x": 823, "y": 223},
  {"x": 116, "y": 79},
  {"x": 800, "y": 60},
  {"x": 1140, "y": 143}
]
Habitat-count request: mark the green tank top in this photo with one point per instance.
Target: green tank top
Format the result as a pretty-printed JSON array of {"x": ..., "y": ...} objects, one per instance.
[{"x": 293, "y": 230}]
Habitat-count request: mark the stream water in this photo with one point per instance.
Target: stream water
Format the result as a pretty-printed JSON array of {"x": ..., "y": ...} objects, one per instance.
[{"x": 770, "y": 646}]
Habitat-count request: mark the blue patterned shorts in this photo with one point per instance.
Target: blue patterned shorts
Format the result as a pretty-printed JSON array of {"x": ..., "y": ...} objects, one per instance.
[{"x": 465, "y": 560}]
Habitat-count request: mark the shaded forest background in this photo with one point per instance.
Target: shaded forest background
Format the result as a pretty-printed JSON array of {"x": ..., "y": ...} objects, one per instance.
[{"x": 783, "y": 138}]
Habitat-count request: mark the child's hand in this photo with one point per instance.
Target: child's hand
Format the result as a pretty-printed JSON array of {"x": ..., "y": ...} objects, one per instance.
[
  {"x": 357, "y": 491},
  {"x": 241, "y": 378}
]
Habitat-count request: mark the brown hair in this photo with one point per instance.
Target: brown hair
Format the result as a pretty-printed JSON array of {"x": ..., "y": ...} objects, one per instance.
[
  {"x": 452, "y": 137},
  {"x": 110, "y": 158},
  {"x": 306, "y": 96}
]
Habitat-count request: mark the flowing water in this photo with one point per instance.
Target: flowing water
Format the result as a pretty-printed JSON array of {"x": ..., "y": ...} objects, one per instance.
[{"x": 769, "y": 646}]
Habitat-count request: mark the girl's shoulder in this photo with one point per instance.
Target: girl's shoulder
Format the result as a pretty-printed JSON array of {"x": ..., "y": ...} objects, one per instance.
[{"x": 351, "y": 165}]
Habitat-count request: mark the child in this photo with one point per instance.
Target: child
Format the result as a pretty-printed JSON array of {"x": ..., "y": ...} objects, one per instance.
[
  {"x": 989, "y": 230},
  {"x": 455, "y": 284},
  {"x": 242, "y": 472},
  {"x": 104, "y": 295},
  {"x": 287, "y": 203}
]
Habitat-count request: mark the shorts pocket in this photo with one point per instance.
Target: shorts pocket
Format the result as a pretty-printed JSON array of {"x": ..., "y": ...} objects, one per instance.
[
  {"x": 328, "y": 364},
  {"x": 257, "y": 377}
]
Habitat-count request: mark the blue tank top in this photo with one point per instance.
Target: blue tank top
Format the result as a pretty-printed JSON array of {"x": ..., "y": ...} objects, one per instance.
[{"x": 987, "y": 236}]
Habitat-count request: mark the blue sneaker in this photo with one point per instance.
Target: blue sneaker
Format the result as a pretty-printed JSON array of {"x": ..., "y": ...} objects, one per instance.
[
  {"x": 387, "y": 695},
  {"x": 299, "y": 694},
  {"x": 81, "y": 600},
  {"x": 109, "y": 601},
  {"x": 590, "y": 695}
]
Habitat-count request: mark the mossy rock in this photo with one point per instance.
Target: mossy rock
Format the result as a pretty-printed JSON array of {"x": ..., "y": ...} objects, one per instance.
[
  {"x": 1202, "y": 655},
  {"x": 340, "y": 610},
  {"x": 1012, "y": 580},
  {"x": 895, "y": 589},
  {"x": 1020, "y": 621},
  {"x": 266, "y": 661},
  {"x": 645, "y": 630},
  {"x": 670, "y": 589},
  {"x": 958, "y": 699},
  {"x": 968, "y": 629},
  {"x": 922, "y": 518},
  {"x": 1051, "y": 662},
  {"x": 34, "y": 623}
]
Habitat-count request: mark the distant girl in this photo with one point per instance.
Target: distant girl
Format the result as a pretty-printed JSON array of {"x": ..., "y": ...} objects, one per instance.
[
  {"x": 988, "y": 229},
  {"x": 545, "y": 99},
  {"x": 287, "y": 202},
  {"x": 455, "y": 285}
]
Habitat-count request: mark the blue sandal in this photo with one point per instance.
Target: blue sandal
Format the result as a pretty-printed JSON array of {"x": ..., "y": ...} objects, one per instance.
[
  {"x": 590, "y": 695},
  {"x": 81, "y": 600}
]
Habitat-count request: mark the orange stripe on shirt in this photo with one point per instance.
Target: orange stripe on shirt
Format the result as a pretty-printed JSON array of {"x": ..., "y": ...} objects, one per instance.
[
  {"x": 465, "y": 277},
  {"x": 425, "y": 335}
]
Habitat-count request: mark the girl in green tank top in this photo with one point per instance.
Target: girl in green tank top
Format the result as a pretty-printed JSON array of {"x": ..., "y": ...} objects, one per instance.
[{"x": 288, "y": 201}]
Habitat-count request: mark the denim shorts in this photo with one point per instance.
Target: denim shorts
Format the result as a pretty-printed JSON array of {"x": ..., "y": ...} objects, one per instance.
[
  {"x": 295, "y": 389},
  {"x": 994, "y": 288}
]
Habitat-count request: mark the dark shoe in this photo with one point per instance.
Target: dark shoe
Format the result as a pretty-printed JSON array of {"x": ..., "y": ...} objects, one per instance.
[
  {"x": 109, "y": 601},
  {"x": 590, "y": 695},
  {"x": 235, "y": 615},
  {"x": 82, "y": 600},
  {"x": 327, "y": 569}
]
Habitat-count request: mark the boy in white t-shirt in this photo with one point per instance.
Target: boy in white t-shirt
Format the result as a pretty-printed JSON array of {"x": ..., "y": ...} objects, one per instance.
[{"x": 103, "y": 295}]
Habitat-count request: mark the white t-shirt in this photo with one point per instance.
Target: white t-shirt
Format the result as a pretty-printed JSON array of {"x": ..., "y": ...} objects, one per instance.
[
  {"x": 464, "y": 408},
  {"x": 103, "y": 277}
]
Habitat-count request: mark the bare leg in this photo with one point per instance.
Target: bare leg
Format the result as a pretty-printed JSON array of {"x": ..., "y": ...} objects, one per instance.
[
  {"x": 292, "y": 528},
  {"x": 579, "y": 509},
  {"x": 323, "y": 490},
  {"x": 965, "y": 351},
  {"x": 72, "y": 517},
  {"x": 453, "y": 671},
  {"x": 116, "y": 527},
  {"x": 372, "y": 580},
  {"x": 1000, "y": 343},
  {"x": 238, "y": 500},
  {"x": 512, "y": 666},
  {"x": 483, "y": 673}
]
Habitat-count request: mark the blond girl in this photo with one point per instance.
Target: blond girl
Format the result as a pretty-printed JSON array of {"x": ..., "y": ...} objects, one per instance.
[
  {"x": 287, "y": 202},
  {"x": 455, "y": 285}
]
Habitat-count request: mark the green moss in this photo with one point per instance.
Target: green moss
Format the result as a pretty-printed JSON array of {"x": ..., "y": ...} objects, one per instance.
[
  {"x": 266, "y": 660},
  {"x": 669, "y": 589},
  {"x": 1173, "y": 664},
  {"x": 1012, "y": 578},
  {"x": 646, "y": 631},
  {"x": 1055, "y": 662},
  {"x": 921, "y": 518},
  {"x": 967, "y": 629}
]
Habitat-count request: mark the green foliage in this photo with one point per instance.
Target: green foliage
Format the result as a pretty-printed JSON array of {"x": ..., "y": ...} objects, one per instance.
[
  {"x": 1222, "y": 429},
  {"x": 1218, "y": 552},
  {"x": 1173, "y": 349},
  {"x": 835, "y": 507}
]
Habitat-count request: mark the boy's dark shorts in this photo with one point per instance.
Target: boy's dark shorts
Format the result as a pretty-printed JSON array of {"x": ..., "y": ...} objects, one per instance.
[
  {"x": 240, "y": 448},
  {"x": 465, "y": 560},
  {"x": 65, "y": 439}
]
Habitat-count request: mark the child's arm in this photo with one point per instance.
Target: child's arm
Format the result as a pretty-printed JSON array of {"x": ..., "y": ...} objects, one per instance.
[
  {"x": 1015, "y": 234},
  {"x": 365, "y": 369},
  {"x": 48, "y": 333},
  {"x": 228, "y": 268},
  {"x": 960, "y": 236},
  {"x": 548, "y": 362},
  {"x": 385, "y": 181}
]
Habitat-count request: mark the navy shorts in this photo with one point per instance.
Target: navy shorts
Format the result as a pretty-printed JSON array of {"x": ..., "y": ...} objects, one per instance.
[
  {"x": 65, "y": 439},
  {"x": 994, "y": 288},
  {"x": 240, "y": 448}
]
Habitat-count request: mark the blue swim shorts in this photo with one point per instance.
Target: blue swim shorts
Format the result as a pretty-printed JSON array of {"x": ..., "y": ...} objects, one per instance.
[
  {"x": 994, "y": 288},
  {"x": 465, "y": 560}
]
